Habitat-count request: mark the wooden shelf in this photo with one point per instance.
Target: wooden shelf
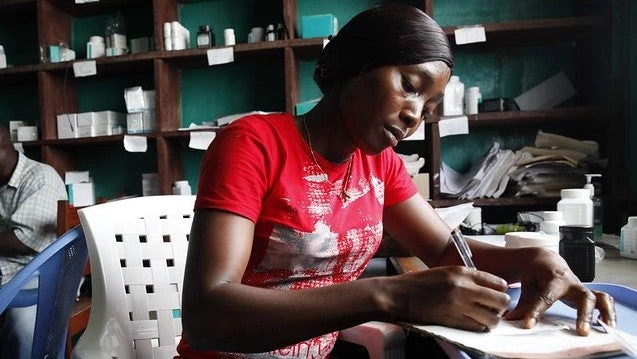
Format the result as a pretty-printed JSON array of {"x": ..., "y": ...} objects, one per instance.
[
  {"x": 91, "y": 141},
  {"x": 544, "y": 30},
  {"x": 97, "y": 7},
  {"x": 558, "y": 115}
]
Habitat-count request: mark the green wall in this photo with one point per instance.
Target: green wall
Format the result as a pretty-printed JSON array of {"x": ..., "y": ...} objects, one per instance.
[{"x": 631, "y": 38}]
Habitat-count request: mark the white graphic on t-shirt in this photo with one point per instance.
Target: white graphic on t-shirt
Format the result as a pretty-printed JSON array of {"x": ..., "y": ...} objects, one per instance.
[
  {"x": 298, "y": 252},
  {"x": 379, "y": 189}
]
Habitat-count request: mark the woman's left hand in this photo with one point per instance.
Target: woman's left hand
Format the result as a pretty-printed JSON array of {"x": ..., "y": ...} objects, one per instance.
[{"x": 546, "y": 279}]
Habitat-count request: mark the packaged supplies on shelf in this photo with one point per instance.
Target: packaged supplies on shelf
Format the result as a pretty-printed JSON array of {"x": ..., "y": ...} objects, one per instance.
[
  {"x": 553, "y": 141},
  {"x": 137, "y": 99},
  {"x": 13, "y": 129},
  {"x": 102, "y": 123},
  {"x": 67, "y": 125},
  {"x": 139, "y": 122},
  {"x": 81, "y": 194},
  {"x": 322, "y": 25},
  {"x": 413, "y": 163},
  {"x": 27, "y": 133}
]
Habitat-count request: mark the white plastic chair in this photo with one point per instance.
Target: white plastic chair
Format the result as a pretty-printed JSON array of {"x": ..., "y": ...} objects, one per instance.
[{"x": 137, "y": 248}]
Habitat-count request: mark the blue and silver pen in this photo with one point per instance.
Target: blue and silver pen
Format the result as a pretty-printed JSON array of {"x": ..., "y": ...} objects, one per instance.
[{"x": 463, "y": 248}]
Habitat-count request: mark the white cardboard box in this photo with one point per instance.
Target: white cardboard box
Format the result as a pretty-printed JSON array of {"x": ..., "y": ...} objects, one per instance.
[{"x": 67, "y": 125}]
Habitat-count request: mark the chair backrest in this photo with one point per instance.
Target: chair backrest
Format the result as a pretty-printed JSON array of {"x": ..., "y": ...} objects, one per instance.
[
  {"x": 59, "y": 268},
  {"x": 137, "y": 248}
]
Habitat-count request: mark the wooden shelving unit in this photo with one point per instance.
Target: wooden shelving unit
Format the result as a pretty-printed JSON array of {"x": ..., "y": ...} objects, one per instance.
[{"x": 58, "y": 90}]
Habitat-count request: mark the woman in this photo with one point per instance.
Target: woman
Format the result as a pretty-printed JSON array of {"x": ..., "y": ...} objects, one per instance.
[{"x": 290, "y": 210}]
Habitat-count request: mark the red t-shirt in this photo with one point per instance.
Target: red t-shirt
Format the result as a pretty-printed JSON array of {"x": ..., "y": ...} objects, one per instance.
[{"x": 306, "y": 235}]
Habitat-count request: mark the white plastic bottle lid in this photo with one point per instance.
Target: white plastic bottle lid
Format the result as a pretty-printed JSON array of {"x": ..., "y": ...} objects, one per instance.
[
  {"x": 96, "y": 39},
  {"x": 553, "y": 215},
  {"x": 473, "y": 89},
  {"x": 632, "y": 221},
  {"x": 575, "y": 193}
]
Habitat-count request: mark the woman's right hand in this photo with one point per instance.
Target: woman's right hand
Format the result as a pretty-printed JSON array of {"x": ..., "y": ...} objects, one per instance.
[{"x": 453, "y": 296}]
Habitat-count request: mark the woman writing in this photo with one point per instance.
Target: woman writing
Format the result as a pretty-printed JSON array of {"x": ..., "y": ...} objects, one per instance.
[{"x": 290, "y": 209}]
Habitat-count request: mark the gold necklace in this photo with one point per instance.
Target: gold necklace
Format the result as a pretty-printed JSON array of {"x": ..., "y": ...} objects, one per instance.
[{"x": 348, "y": 172}]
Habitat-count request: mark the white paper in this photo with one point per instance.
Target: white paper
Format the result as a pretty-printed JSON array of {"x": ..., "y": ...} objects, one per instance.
[
  {"x": 200, "y": 140},
  {"x": 453, "y": 125},
  {"x": 548, "y": 339},
  {"x": 76, "y": 177},
  {"x": 419, "y": 134},
  {"x": 454, "y": 215},
  {"x": 470, "y": 34},
  {"x": 84, "y": 68},
  {"x": 135, "y": 143},
  {"x": 220, "y": 56}
]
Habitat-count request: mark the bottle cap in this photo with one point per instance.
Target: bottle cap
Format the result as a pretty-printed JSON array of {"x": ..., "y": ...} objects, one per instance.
[
  {"x": 228, "y": 32},
  {"x": 552, "y": 215},
  {"x": 575, "y": 192},
  {"x": 475, "y": 89},
  {"x": 96, "y": 39},
  {"x": 577, "y": 230},
  {"x": 204, "y": 28},
  {"x": 632, "y": 221}
]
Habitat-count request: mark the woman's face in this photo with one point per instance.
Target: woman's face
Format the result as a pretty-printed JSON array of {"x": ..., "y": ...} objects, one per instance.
[{"x": 386, "y": 104}]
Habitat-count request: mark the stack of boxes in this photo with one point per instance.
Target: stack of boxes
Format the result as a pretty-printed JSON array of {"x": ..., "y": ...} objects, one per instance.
[
  {"x": 140, "y": 105},
  {"x": 90, "y": 124}
]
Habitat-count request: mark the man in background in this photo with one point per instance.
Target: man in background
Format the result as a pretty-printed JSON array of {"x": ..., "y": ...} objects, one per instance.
[{"x": 29, "y": 192}]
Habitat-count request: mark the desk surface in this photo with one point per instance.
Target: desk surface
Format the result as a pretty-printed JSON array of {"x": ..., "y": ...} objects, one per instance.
[{"x": 611, "y": 269}]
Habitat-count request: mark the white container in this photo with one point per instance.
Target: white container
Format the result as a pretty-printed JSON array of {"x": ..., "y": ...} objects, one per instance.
[
  {"x": 472, "y": 98},
  {"x": 96, "y": 47},
  {"x": 453, "y": 101},
  {"x": 552, "y": 220},
  {"x": 532, "y": 239},
  {"x": 628, "y": 239},
  {"x": 228, "y": 37},
  {"x": 3, "y": 58},
  {"x": 576, "y": 207},
  {"x": 182, "y": 188}
]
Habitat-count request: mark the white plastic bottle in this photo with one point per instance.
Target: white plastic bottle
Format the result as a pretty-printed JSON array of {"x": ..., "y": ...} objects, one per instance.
[
  {"x": 182, "y": 188},
  {"x": 628, "y": 239},
  {"x": 453, "y": 101},
  {"x": 576, "y": 207},
  {"x": 3, "y": 58},
  {"x": 472, "y": 98},
  {"x": 551, "y": 222}
]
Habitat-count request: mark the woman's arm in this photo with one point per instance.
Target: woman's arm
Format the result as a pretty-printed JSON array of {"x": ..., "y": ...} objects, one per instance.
[
  {"x": 545, "y": 276},
  {"x": 220, "y": 313}
]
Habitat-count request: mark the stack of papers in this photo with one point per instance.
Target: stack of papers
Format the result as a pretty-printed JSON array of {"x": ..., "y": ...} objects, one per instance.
[
  {"x": 488, "y": 177},
  {"x": 545, "y": 176}
]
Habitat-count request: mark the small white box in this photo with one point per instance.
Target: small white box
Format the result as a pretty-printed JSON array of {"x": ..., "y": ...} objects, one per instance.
[
  {"x": 140, "y": 122},
  {"x": 27, "y": 133},
  {"x": 76, "y": 177},
  {"x": 81, "y": 194},
  {"x": 67, "y": 125},
  {"x": 13, "y": 129},
  {"x": 138, "y": 100}
]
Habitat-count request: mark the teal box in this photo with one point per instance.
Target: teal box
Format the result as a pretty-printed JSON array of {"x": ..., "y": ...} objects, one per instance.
[
  {"x": 322, "y": 25},
  {"x": 54, "y": 54},
  {"x": 303, "y": 107}
]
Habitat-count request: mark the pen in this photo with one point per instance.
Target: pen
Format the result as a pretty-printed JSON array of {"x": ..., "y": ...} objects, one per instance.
[{"x": 463, "y": 248}]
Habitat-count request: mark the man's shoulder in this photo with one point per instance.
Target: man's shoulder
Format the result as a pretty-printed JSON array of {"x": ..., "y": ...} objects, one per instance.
[{"x": 38, "y": 173}]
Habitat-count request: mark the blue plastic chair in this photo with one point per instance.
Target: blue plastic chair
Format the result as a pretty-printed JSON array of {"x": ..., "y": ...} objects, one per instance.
[{"x": 59, "y": 267}]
